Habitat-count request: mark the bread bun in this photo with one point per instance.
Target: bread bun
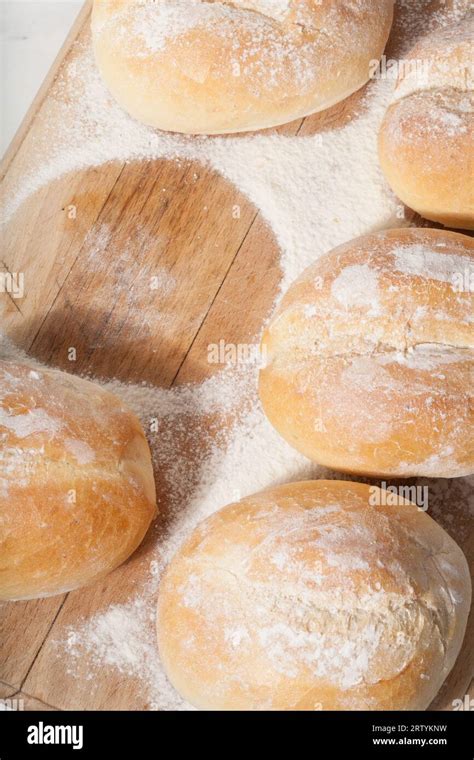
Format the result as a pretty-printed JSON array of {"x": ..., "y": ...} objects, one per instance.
[
  {"x": 310, "y": 597},
  {"x": 215, "y": 67},
  {"x": 425, "y": 143},
  {"x": 369, "y": 358},
  {"x": 76, "y": 482}
]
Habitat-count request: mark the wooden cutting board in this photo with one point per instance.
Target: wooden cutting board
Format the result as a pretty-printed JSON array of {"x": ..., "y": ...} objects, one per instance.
[{"x": 226, "y": 275}]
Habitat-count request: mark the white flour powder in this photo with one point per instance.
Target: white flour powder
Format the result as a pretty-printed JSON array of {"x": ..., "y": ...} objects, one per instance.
[{"x": 315, "y": 192}]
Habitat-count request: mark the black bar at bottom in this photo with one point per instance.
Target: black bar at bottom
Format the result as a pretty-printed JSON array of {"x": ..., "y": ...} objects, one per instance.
[{"x": 376, "y": 734}]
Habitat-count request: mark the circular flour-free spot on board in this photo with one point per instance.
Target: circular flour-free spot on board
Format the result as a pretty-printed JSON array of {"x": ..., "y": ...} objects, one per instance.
[{"x": 136, "y": 267}]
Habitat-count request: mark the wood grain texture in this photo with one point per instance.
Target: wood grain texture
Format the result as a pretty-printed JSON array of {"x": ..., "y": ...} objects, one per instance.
[
  {"x": 31, "y": 704},
  {"x": 158, "y": 222},
  {"x": 6, "y": 691},
  {"x": 89, "y": 286},
  {"x": 19, "y": 700},
  {"x": 23, "y": 628},
  {"x": 13, "y": 699}
]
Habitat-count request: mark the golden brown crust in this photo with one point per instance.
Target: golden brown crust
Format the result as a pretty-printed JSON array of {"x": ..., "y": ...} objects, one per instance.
[
  {"x": 76, "y": 482},
  {"x": 425, "y": 143},
  {"x": 308, "y": 596},
  {"x": 216, "y": 67},
  {"x": 370, "y": 357}
]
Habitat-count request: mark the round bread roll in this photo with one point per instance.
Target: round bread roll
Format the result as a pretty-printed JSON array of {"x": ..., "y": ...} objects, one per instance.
[
  {"x": 425, "y": 143},
  {"x": 214, "y": 67},
  {"x": 311, "y": 597},
  {"x": 369, "y": 358},
  {"x": 76, "y": 482}
]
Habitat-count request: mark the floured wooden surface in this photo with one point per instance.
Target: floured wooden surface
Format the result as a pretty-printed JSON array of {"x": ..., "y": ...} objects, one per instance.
[{"x": 141, "y": 263}]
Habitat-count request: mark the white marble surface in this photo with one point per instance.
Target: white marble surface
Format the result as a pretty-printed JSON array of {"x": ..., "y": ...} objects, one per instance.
[{"x": 31, "y": 34}]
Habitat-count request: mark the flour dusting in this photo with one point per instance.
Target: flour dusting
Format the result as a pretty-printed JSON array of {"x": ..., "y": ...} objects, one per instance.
[{"x": 315, "y": 192}]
